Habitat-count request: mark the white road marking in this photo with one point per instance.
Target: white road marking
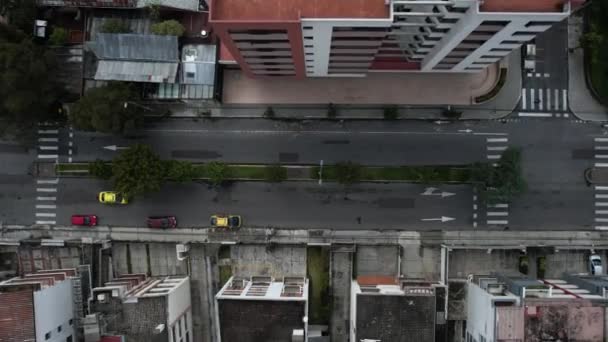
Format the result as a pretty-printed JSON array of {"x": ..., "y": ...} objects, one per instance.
[
  {"x": 43, "y": 198},
  {"x": 601, "y": 219},
  {"x": 71, "y": 135},
  {"x": 494, "y": 156},
  {"x": 601, "y": 147},
  {"x": 532, "y": 104},
  {"x": 498, "y": 222},
  {"x": 547, "y": 75},
  {"x": 490, "y": 140},
  {"x": 564, "y": 99},
  {"x": 46, "y": 206},
  {"x": 497, "y": 148},
  {"x": 500, "y": 205},
  {"x": 48, "y": 156},
  {"x": 48, "y": 148},
  {"x": 548, "y": 99},
  {"x": 601, "y": 204},
  {"x": 45, "y": 215},
  {"x": 537, "y": 74},
  {"x": 48, "y": 181},
  {"x": 556, "y": 92},
  {"x": 598, "y": 196},
  {"x": 224, "y": 132},
  {"x": 48, "y": 139},
  {"x": 46, "y": 190},
  {"x": 601, "y": 139},
  {"x": 497, "y": 213},
  {"x": 540, "y": 99},
  {"x": 536, "y": 115},
  {"x": 566, "y": 115},
  {"x": 523, "y": 98},
  {"x": 45, "y": 222},
  {"x": 601, "y": 212},
  {"x": 70, "y": 144},
  {"x": 601, "y": 164},
  {"x": 69, "y": 159},
  {"x": 600, "y": 187},
  {"x": 601, "y": 156},
  {"x": 530, "y": 74},
  {"x": 48, "y": 131}
]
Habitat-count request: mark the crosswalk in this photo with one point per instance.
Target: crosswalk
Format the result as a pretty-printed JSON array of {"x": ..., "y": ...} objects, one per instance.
[
  {"x": 497, "y": 214},
  {"x": 544, "y": 100},
  {"x": 495, "y": 146},
  {"x": 46, "y": 188}
]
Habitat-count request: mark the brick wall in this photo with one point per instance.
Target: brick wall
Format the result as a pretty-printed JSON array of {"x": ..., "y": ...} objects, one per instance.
[
  {"x": 17, "y": 316},
  {"x": 142, "y": 317}
]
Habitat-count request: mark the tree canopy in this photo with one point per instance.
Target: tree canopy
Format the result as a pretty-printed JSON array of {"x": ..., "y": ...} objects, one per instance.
[
  {"x": 103, "y": 109},
  {"x": 137, "y": 170},
  {"x": 168, "y": 28}
]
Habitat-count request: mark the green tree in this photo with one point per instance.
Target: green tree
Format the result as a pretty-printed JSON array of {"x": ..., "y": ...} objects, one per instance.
[
  {"x": 508, "y": 180},
  {"x": 59, "y": 36},
  {"x": 137, "y": 170},
  {"x": 101, "y": 169},
  {"x": 348, "y": 173},
  {"x": 115, "y": 25},
  {"x": 168, "y": 28},
  {"x": 20, "y": 14},
  {"x": 275, "y": 173},
  {"x": 217, "y": 172},
  {"x": 179, "y": 171},
  {"x": 592, "y": 42},
  {"x": 103, "y": 109},
  {"x": 28, "y": 87},
  {"x": 391, "y": 112}
]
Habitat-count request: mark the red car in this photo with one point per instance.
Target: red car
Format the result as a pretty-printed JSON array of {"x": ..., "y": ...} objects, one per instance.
[
  {"x": 84, "y": 220},
  {"x": 162, "y": 222}
]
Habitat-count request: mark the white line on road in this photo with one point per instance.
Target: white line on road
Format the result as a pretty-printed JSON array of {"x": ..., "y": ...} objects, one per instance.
[
  {"x": 564, "y": 99},
  {"x": 46, "y": 190},
  {"x": 537, "y": 74},
  {"x": 601, "y": 204},
  {"x": 536, "y": 115},
  {"x": 601, "y": 196},
  {"x": 549, "y": 99},
  {"x": 601, "y": 156},
  {"x": 48, "y": 139},
  {"x": 48, "y": 148},
  {"x": 46, "y": 206},
  {"x": 48, "y": 131},
  {"x": 547, "y": 75},
  {"x": 48, "y": 156},
  {"x": 556, "y": 93},
  {"x": 497, "y": 148},
  {"x": 532, "y": 104},
  {"x": 601, "y": 219},
  {"x": 491, "y": 140},
  {"x": 498, "y": 222},
  {"x": 493, "y": 156},
  {"x": 601, "y": 139},
  {"x": 224, "y": 132},
  {"x": 601, "y": 212},
  {"x": 599, "y": 187},
  {"x": 497, "y": 213},
  {"x": 601, "y": 147},
  {"x": 48, "y": 181},
  {"x": 501, "y": 205},
  {"x": 601, "y": 164},
  {"x": 45, "y": 222},
  {"x": 540, "y": 99},
  {"x": 523, "y": 98},
  {"x": 45, "y": 198},
  {"x": 46, "y": 214}
]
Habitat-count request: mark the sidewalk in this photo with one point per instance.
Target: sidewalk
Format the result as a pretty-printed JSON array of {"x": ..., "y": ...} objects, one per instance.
[
  {"x": 582, "y": 102},
  {"x": 501, "y": 106}
]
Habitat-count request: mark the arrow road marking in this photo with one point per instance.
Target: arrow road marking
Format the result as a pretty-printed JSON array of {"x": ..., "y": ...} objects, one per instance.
[
  {"x": 115, "y": 148},
  {"x": 431, "y": 192},
  {"x": 442, "y": 219},
  {"x": 468, "y": 130}
]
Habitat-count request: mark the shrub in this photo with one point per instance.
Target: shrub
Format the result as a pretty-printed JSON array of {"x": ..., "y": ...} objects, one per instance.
[
  {"x": 217, "y": 172},
  {"x": 100, "y": 169},
  {"x": 179, "y": 171},
  {"x": 269, "y": 113},
  {"x": 114, "y": 25},
  {"x": 332, "y": 112},
  {"x": 59, "y": 36},
  {"x": 391, "y": 112},
  {"x": 275, "y": 173},
  {"x": 168, "y": 28},
  {"x": 348, "y": 172}
]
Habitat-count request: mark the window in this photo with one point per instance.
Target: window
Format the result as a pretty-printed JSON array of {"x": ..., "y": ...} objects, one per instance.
[
  {"x": 307, "y": 46},
  {"x": 307, "y": 27},
  {"x": 59, "y": 328},
  {"x": 174, "y": 336},
  {"x": 69, "y": 339},
  {"x": 47, "y": 336}
]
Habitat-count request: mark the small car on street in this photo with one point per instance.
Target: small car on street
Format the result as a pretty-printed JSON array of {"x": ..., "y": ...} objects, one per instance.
[
  {"x": 595, "y": 265},
  {"x": 112, "y": 197},
  {"x": 226, "y": 221},
  {"x": 84, "y": 220},
  {"x": 162, "y": 222}
]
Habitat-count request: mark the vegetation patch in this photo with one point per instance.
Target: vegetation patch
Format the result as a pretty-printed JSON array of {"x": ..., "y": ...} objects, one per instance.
[
  {"x": 596, "y": 47},
  {"x": 317, "y": 269}
]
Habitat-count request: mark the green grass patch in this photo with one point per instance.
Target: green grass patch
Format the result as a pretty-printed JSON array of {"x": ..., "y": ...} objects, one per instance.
[
  {"x": 225, "y": 274},
  {"x": 317, "y": 268},
  {"x": 59, "y": 168},
  {"x": 598, "y": 67},
  {"x": 430, "y": 174}
]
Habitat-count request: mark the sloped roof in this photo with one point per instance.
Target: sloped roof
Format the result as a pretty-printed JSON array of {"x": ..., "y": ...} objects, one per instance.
[
  {"x": 140, "y": 47},
  {"x": 188, "y": 5},
  {"x": 134, "y": 71}
]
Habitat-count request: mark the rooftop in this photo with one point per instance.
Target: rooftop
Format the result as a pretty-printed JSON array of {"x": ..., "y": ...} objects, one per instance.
[
  {"x": 265, "y": 288},
  {"x": 293, "y": 10},
  {"x": 522, "y": 5}
]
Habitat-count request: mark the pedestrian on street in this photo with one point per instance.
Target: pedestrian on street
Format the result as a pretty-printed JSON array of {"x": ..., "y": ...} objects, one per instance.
[{"x": 359, "y": 219}]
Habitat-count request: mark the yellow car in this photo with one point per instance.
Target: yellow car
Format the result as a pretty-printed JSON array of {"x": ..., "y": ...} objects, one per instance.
[
  {"x": 226, "y": 221},
  {"x": 111, "y": 197}
]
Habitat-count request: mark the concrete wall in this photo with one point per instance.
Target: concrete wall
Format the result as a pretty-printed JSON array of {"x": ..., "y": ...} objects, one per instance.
[
  {"x": 480, "y": 313},
  {"x": 421, "y": 262},
  {"x": 53, "y": 307},
  {"x": 162, "y": 261},
  {"x": 277, "y": 261},
  {"x": 341, "y": 276},
  {"x": 179, "y": 301},
  {"x": 377, "y": 260}
]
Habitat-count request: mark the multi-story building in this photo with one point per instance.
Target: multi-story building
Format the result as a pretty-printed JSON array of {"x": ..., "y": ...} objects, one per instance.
[
  {"x": 518, "y": 308},
  {"x": 39, "y": 306},
  {"x": 140, "y": 308},
  {"x": 301, "y": 38},
  {"x": 262, "y": 309}
]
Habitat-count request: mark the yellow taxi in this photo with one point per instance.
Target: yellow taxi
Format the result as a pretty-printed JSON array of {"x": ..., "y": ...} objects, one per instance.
[
  {"x": 112, "y": 197},
  {"x": 226, "y": 221}
]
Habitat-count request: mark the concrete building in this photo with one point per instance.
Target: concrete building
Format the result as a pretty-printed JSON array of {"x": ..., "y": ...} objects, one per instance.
[
  {"x": 141, "y": 309},
  {"x": 262, "y": 309},
  {"x": 390, "y": 309},
  {"x": 344, "y": 38},
  {"x": 39, "y": 306},
  {"x": 519, "y": 308}
]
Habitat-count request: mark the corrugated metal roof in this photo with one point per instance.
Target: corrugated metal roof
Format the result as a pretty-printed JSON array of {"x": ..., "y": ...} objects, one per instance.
[
  {"x": 138, "y": 47},
  {"x": 136, "y": 71},
  {"x": 198, "y": 64},
  {"x": 189, "y": 5}
]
